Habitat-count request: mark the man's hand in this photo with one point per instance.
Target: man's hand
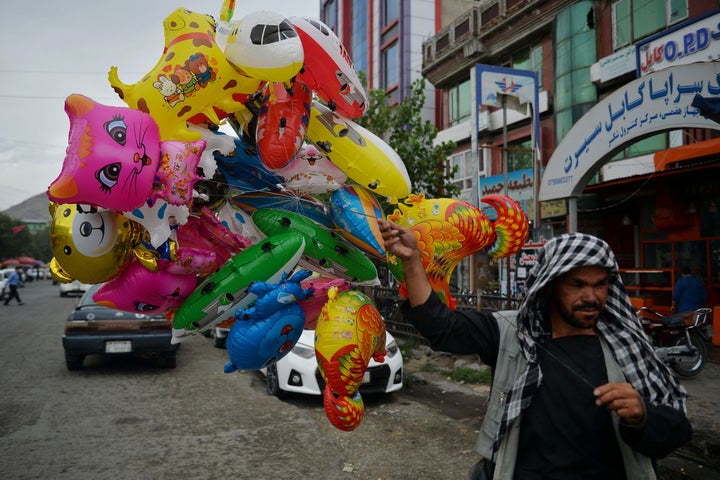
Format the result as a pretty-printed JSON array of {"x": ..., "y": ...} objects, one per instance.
[
  {"x": 399, "y": 240},
  {"x": 623, "y": 400}
]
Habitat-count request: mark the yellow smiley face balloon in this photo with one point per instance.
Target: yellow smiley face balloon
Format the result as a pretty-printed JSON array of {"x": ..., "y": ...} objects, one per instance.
[{"x": 90, "y": 245}]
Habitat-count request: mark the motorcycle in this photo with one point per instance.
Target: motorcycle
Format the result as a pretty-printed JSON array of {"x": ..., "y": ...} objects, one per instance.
[{"x": 679, "y": 339}]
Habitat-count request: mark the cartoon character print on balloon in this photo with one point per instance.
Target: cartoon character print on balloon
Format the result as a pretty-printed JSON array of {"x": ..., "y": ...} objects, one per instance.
[
  {"x": 349, "y": 332},
  {"x": 265, "y": 332},
  {"x": 311, "y": 172},
  {"x": 116, "y": 160},
  {"x": 449, "y": 230},
  {"x": 192, "y": 82}
]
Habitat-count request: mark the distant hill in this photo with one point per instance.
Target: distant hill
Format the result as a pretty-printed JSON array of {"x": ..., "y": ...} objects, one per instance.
[{"x": 33, "y": 209}]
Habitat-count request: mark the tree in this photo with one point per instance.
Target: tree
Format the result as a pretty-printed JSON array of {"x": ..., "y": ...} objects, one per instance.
[
  {"x": 21, "y": 241},
  {"x": 403, "y": 128}
]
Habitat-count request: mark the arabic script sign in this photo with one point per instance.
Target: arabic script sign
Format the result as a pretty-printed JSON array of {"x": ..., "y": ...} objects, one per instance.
[
  {"x": 660, "y": 101},
  {"x": 697, "y": 40}
]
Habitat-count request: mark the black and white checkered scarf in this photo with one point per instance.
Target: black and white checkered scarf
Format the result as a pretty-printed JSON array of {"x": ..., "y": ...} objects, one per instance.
[{"x": 618, "y": 324}]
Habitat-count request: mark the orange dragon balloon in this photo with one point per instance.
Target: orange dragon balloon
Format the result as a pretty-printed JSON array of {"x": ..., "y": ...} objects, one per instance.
[
  {"x": 449, "y": 230},
  {"x": 349, "y": 332}
]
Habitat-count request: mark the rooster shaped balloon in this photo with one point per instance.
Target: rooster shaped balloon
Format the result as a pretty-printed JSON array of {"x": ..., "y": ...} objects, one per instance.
[
  {"x": 449, "y": 230},
  {"x": 349, "y": 332}
]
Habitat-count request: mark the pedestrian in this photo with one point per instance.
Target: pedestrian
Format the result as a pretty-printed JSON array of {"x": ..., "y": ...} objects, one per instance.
[
  {"x": 14, "y": 282},
  {"x": 689, "y": 293},
  {"x": 577, "y": 389}
]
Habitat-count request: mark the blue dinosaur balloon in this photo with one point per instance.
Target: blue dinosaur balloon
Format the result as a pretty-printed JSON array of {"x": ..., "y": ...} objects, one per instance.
[{"x": 268, "y": 330}]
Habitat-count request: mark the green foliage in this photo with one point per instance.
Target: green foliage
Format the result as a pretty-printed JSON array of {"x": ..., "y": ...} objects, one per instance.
[
  {"x": 482, "y": 376},
  {"x": 403, "y": 128},
  {"x": 22, "y": 243}
]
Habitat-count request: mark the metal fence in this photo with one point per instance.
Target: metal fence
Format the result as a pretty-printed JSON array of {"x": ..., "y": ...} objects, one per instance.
[{"x": 388, "y": 304}]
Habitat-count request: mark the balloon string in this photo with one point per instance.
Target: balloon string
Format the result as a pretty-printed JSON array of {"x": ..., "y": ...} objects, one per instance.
[{"x": 566, "y": 366}]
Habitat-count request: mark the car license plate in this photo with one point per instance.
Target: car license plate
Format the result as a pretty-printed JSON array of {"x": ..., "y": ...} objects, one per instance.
[
  {"x": 366, "y": 377},
  {"x": 124, "y": 346}
]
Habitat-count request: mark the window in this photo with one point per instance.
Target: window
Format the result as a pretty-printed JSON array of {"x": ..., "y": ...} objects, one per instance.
[
  {"x": 529, "y": 59},
  {"x": 574, "y": 41},
  {"x": 643, "y": 147},
  {"x": 636, "y": 19},
  {"x": 464, "y": 174},
  {"x": 330, "y": 14},
  {"x": 389, "y": 12},
  {"x": 459, "y": 98},
  {"x": 358, "y": 35},
  {"x": 519, "y": 156},
  {"x": 390, "y": 66}
]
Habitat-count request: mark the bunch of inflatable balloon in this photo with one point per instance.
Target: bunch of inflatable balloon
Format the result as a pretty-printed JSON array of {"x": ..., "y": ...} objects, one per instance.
[{"x": 173, "y": 215}]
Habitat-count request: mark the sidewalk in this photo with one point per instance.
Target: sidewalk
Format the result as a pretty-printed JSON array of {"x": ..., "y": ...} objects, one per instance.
[{"x": 704, "y": 412}]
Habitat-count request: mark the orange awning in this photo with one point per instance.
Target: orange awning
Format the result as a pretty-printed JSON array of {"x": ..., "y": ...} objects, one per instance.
[{"x": 666, "y": 159}]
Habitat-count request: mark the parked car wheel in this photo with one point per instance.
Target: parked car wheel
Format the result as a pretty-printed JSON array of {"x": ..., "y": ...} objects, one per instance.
[
  {"x": 171, "y": 360},
  {"x": 272, "y": 382},
  {"x": 219, "y": 342},
  {"x": 74, "y": 361}
]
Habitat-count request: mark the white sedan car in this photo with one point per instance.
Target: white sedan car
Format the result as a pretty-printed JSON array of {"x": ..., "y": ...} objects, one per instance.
[
  {"x": 298, "y": 372},
  {"x": 74, "y": 288}
]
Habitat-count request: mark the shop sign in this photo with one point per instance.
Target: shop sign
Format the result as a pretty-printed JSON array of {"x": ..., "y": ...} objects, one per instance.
[
  {"x": 668, "y": 99},
  {"x": 695, "y": 41},
  {"x": 613, "y": 66}
]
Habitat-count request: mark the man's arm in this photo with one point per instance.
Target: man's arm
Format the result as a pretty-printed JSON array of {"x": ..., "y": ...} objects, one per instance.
[
  {"x": 664, "y": 430},
  {"x": 653, "y": 430},
  {"x": 446, "y": 329},
  {"x": 401, "y": 242}
]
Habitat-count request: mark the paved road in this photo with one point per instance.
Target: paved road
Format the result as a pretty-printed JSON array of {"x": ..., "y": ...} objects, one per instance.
[{"x": 132, "y": 419}]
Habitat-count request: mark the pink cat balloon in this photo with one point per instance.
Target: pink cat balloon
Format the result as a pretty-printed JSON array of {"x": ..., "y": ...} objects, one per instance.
[
  {"x": 115, "y": 159},
  {"x": 112, "y": 156}
]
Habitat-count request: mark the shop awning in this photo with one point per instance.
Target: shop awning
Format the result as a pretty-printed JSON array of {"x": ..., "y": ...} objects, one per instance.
[{"x": 672, "y": 157}]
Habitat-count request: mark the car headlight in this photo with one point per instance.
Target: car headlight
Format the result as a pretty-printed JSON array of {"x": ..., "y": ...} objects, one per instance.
[
  {"x": 303, "y": 351},
  {"x": 392, "y": 349}
]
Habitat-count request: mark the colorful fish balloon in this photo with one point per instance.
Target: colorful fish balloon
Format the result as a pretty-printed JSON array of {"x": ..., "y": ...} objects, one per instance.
[
  {"x": 349, "y": 332},
  {"x": 449, "y": 230}
]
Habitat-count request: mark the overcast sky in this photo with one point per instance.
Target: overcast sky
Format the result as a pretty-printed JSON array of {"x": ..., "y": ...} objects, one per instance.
[{"x": 52, "y": 48}]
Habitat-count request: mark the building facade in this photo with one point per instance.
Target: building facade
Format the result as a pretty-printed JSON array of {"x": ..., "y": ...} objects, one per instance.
[
  {"x": 649, "y": 193},
  {"x": 384, "y": 39}
]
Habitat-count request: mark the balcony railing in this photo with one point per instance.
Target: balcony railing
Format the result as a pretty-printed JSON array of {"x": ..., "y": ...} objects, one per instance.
[{"x": 462, "y": 32}]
